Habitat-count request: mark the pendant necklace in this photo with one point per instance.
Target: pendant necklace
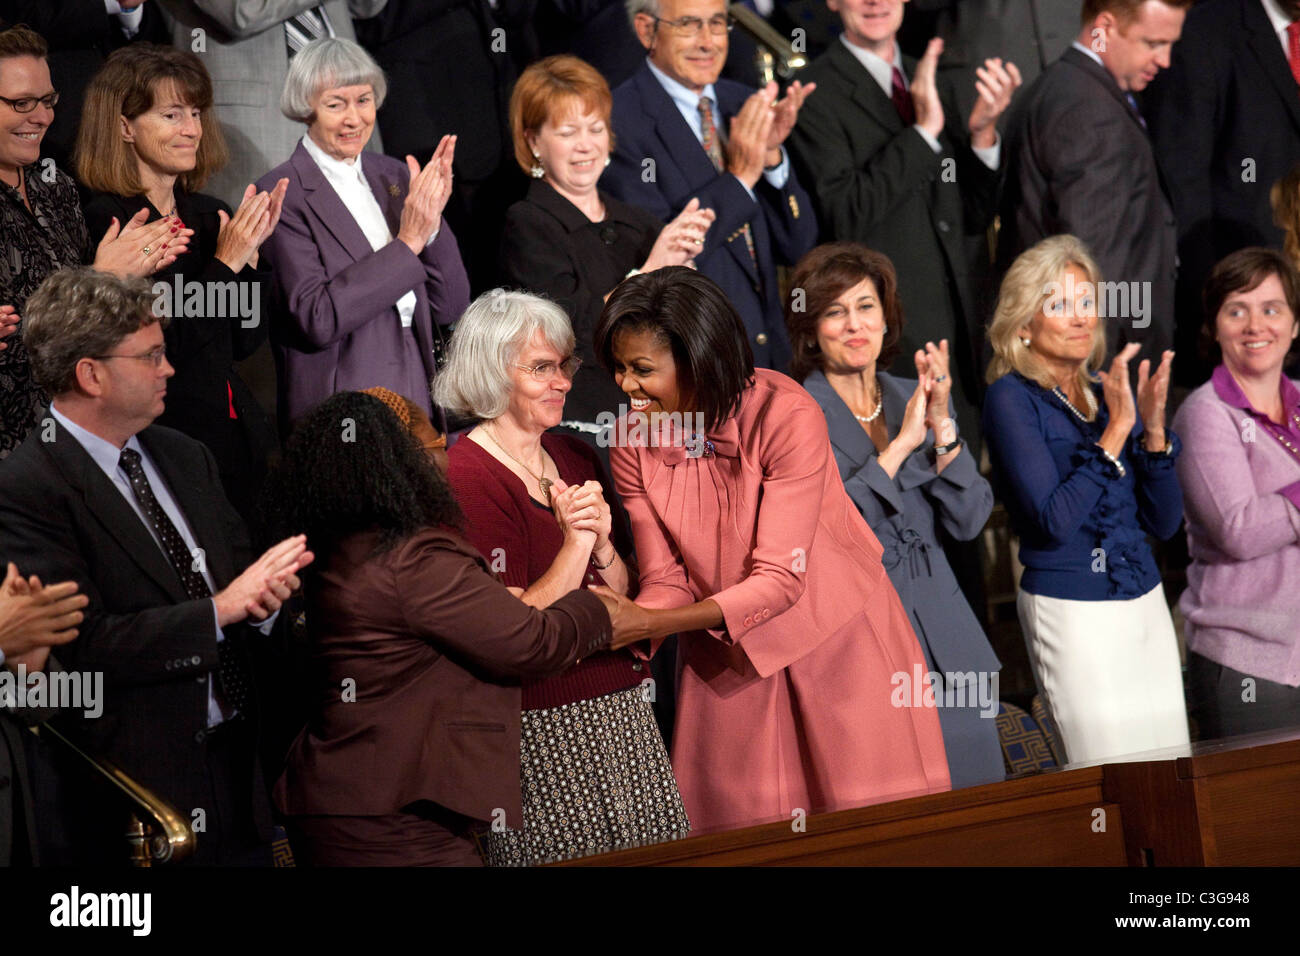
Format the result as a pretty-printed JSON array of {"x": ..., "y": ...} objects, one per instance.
[{"x": 543, "y": 483}]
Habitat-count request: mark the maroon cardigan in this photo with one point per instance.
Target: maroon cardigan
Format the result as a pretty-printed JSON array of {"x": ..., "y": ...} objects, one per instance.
[{"x": 520, "y": 539}]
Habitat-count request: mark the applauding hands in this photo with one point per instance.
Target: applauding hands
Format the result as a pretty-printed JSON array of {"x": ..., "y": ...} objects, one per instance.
[
  {"x": 140, "y": 248},
  {"x": 265, "y": 584},
  {"x": 995, "y": 84},
  {"x": 427, "y": 197},
  {"x": 680, "y": 241},
  {"x": 252, "y": 224},
  {"x": 35, "y": 617},
  {"x": 760, "y": 128}
]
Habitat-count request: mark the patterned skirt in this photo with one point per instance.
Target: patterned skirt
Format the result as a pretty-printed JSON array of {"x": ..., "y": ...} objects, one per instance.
[{"x": 595, "y": 776}]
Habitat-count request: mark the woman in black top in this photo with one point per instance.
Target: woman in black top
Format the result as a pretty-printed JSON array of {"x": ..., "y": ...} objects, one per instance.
[
  {"x": 41, "y": 227},
  {"x": 148, "y": 140},
  {"x": 569, "y": 240}
]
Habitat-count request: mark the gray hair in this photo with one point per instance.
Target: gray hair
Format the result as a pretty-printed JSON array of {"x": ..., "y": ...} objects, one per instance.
[
  {"x": 80, "y": 313},
  {"x": 327, "y": 64},
  {"x": 477, "y": 379},
  {"x": 650, "y": 7}
]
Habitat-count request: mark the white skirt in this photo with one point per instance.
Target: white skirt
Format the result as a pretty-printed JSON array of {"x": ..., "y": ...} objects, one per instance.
[{"x": 1108, "y": 673}]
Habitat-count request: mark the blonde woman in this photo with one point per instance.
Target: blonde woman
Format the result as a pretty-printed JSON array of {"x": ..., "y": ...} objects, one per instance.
[{"x": 1086, "y": 472}]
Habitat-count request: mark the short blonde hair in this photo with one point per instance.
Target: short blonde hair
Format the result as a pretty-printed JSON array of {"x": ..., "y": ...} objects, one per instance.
[
  {"x": 1027, "y": 285},
  {"x": 478, "y": 379}
]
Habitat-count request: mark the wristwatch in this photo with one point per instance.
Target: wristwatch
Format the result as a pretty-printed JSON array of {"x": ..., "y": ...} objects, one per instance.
[{"x": 945, "y": 437}]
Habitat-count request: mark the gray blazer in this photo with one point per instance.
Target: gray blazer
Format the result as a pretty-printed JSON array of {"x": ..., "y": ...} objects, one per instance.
[
  {"x": 903, "y": 512},
  {"x": 242, "y": 44}
]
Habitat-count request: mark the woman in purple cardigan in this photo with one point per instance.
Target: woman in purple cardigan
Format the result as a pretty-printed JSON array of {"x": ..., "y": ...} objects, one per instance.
[
  {"x": 1240, "y": 472},
  {"x": 364, "y": 268}
]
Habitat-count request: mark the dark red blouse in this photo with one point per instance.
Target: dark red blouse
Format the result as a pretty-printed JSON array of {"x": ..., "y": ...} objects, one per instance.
[{"x": 520, "y": 538}]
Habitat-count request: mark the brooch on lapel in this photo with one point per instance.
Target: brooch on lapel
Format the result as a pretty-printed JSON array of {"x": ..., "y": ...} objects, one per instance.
[
  {"x": 396, "y": 190},
  {"x": 794, "y": 207}
]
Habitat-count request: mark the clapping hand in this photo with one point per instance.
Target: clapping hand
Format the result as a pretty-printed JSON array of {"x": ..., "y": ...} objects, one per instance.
[
  {"x": 34, "y": 618},
  {"x": 786, "y": 112},
  {"x": 427, "y": 196},
  {"x": 1153, "y": 391},
  {"x": 995, "y": 84},
  {"x": 932, "y": 361},
  {"x": 925, "y": 90},
  {"x": 9, "y": 319},
  {"x": 141, "y": 248},
  {"x": 265, "y": 584},
  {"x": 680, "y": 241},
  {"x": 252, "y": 224}
]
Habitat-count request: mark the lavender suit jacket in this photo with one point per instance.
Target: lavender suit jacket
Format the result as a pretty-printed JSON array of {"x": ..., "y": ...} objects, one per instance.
[{"x": 334, "y": 321}]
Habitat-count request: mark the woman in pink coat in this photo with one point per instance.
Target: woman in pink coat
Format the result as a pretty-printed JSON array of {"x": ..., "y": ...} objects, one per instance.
[{"x": 797, "y": 663}]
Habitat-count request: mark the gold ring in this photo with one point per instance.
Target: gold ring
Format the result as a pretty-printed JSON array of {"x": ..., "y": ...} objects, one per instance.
[{"x": 147, "y": 250}]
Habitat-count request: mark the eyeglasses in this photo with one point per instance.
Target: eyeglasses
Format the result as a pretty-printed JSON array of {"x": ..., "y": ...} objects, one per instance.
[
  {"x": 28, "y": 103},
  {"x": 155, "y": 355},
  {"x": 692, "y": 26},
  {"x": 547, "y": 370}
]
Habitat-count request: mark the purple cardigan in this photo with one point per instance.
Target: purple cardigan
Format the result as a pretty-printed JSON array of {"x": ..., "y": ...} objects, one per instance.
[{"x": 1240, "y": 486}]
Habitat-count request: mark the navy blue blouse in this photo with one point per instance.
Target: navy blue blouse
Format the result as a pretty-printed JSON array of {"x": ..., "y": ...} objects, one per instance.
[{"x": 1082, "y": 529}]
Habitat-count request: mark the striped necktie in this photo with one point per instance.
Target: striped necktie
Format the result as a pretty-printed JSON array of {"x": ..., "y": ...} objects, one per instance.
[
  {"x": 301, "y": 29},
  {"x": 712, "y": 144}
]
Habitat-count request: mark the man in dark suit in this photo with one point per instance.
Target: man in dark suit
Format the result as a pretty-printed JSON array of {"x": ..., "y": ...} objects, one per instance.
[
  {"x": 134, "y": 514},
  {"x": 674, "y": 143},
  {"x": 1225, "y": 120},
  {"x": 33, "y": 618},
  {"x": 887, "y": 170},
  {"x": 1080, "y": 161}
]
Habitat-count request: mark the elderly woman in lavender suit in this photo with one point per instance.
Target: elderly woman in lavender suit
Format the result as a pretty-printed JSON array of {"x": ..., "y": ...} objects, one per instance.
[
  {"x": 364, "y": 268},
  {"x": 1240, "y": 472}
]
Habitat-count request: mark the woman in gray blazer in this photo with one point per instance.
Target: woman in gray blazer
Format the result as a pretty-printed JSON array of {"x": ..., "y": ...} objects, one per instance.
[{"x": 902, "y": 463}]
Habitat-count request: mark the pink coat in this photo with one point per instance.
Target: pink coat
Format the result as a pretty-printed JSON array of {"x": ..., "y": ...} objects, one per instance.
[{"x": 792, "y": 705}]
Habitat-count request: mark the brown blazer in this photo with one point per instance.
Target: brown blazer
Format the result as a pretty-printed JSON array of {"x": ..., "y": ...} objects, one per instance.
[{"x": 417, "y": 655}]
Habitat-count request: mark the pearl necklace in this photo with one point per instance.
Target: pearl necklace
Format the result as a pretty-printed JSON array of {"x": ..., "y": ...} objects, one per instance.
[
  {"x": 1092, "y": 404},
  {"x": 880, "y": 406}
]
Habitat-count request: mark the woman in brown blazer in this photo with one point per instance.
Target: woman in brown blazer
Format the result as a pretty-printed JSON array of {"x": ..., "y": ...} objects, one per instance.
[{"x": 416, "y": 651}]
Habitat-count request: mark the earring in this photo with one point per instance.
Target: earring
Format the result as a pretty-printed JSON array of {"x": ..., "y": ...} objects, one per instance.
[
  {"x": 607, "y": 160},
  {"x": 537, "y": 171},
  {"x": 1024, "y": 341}
]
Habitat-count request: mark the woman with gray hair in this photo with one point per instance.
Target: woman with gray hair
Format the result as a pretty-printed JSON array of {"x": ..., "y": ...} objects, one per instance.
[
  {"x": 593, "y": 768},
  {"x": 1086, "y": 473},
  {"x": 364, "y": 268}
]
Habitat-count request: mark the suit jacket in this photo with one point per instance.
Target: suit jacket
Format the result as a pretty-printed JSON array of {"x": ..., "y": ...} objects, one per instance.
[
  {"x": 204, "y": 348},
  {"x": 243, "y": 47},
  {"x": 62, "y": 519},
  {"x": 878, "y": 182},
  {"x": 1080, "y": 161},
  {"x": 334, "y": 322},
  {"x": 436, "y": 648},
  {"x": 649, "y": 128},
  {"x": 1225, "y": 120}
]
